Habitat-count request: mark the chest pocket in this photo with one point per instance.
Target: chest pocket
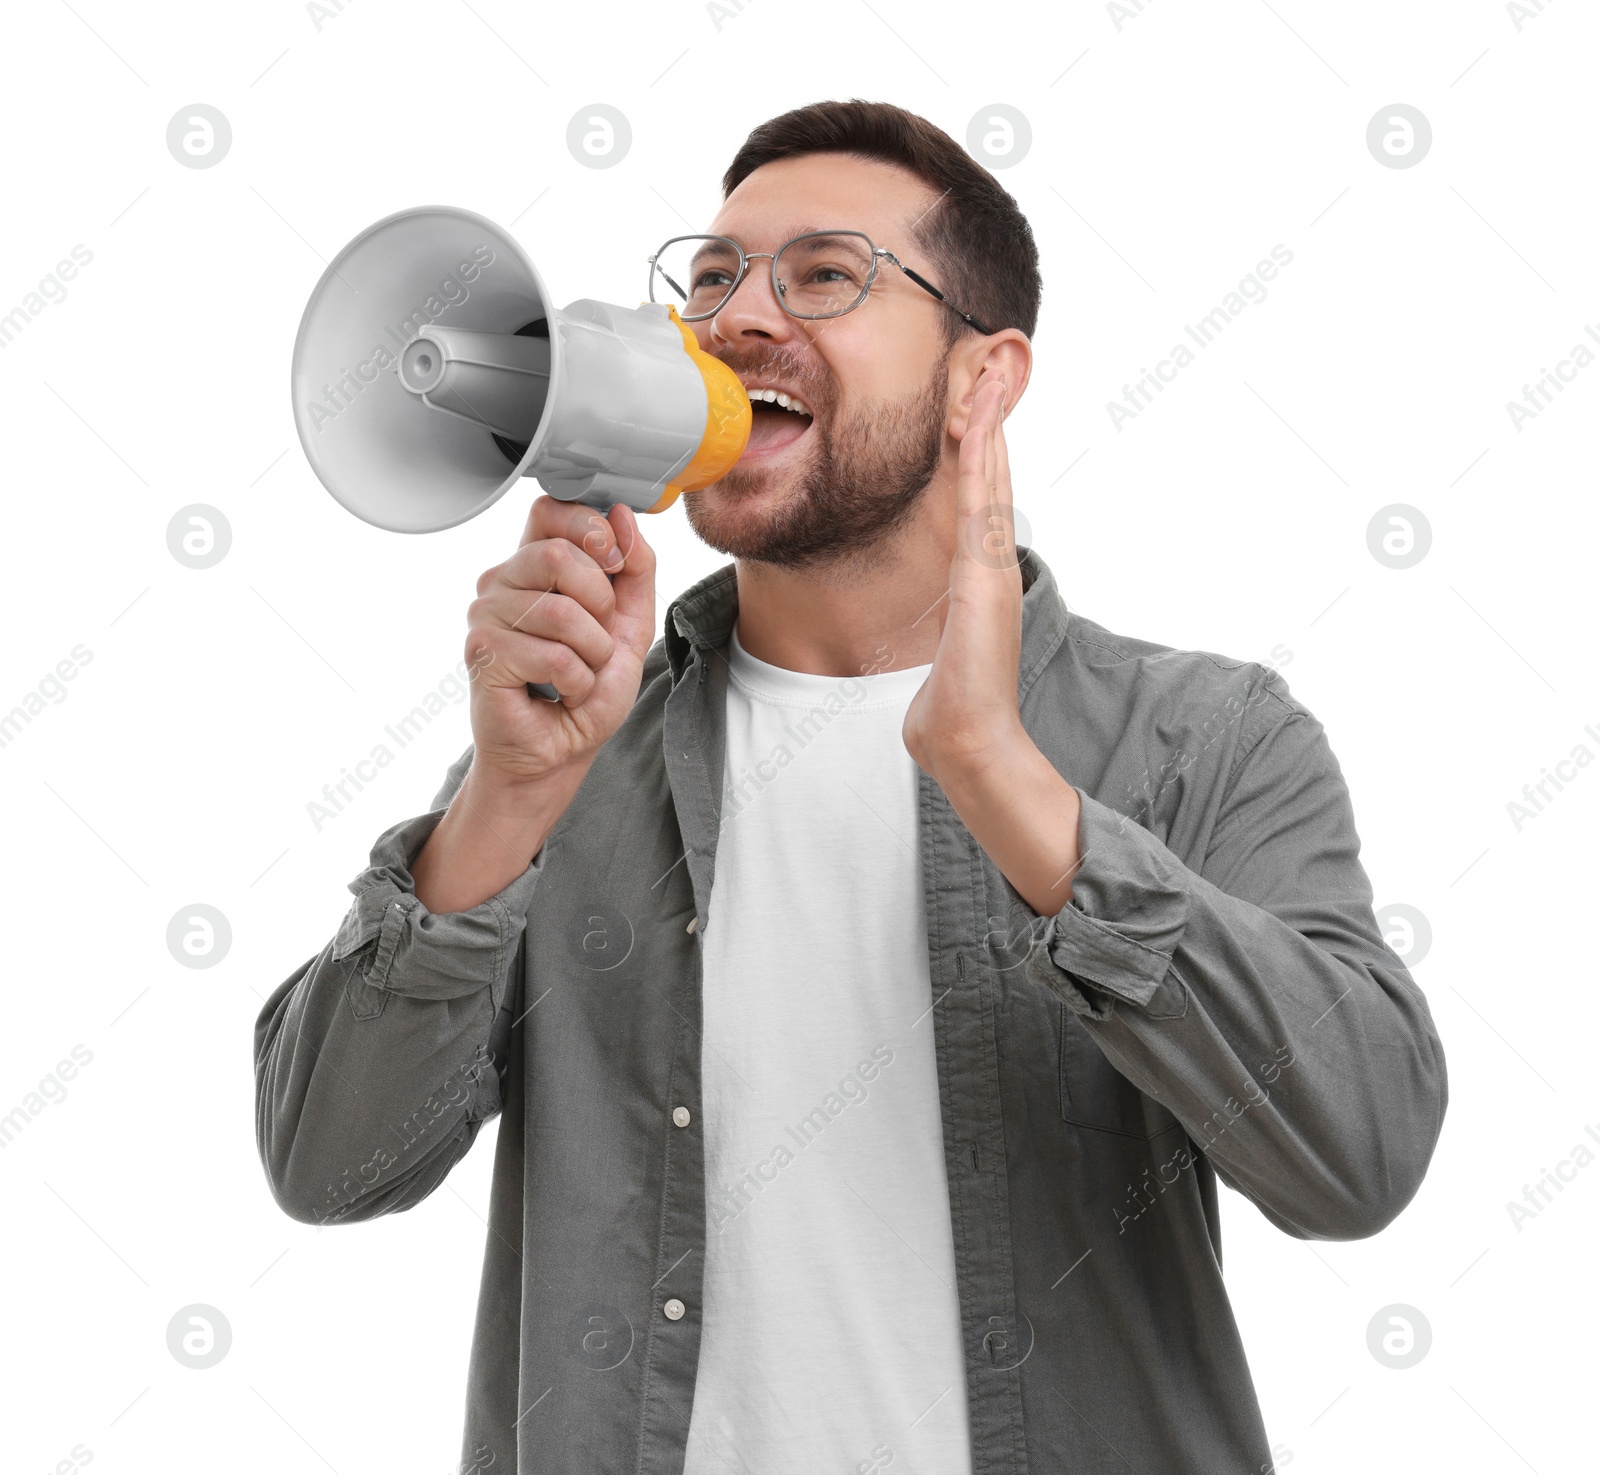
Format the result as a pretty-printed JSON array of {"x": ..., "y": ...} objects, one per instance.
[{"x": 1095, "y": 1094}]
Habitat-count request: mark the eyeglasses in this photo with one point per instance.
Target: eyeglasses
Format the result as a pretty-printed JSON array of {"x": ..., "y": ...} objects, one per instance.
[{"x": 822, "y": 274}]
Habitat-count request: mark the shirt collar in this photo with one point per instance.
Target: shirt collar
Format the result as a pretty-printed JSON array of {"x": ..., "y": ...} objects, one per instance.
[{"x": 702, "y": 617}]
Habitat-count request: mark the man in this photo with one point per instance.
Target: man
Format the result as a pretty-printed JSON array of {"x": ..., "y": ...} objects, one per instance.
[{"x": 876, "y": 973}]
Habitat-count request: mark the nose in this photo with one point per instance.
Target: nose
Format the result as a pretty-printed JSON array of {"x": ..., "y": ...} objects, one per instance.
[{"x": 753, "y": 310}]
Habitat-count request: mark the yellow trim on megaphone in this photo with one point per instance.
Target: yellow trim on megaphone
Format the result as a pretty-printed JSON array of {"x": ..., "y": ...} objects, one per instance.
[{"x": 727, "y": 421}]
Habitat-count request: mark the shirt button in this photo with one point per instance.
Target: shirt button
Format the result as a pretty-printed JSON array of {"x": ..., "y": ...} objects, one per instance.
[
  {"x": 680, "y": 1116},
  {"x": 673, "y": 1310}
]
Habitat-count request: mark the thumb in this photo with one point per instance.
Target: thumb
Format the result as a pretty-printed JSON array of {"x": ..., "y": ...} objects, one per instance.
[{"x": 635, "y": 587}]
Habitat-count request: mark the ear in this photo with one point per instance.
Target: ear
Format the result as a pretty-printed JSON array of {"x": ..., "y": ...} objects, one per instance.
[{"x": 1007, "y": 353}]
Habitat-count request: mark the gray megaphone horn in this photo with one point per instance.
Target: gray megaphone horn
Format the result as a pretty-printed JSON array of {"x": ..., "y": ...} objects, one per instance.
[{"x": 432, "y": 372}]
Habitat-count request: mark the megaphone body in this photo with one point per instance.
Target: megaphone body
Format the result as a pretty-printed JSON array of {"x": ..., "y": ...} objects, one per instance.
[{"x": 432, "y": 372}]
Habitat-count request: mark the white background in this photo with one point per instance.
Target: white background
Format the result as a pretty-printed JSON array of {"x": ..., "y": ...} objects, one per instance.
[{"x": 1168, "y": 155}]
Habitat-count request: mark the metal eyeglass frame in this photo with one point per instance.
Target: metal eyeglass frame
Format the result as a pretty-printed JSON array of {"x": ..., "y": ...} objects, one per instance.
[{"x": 745, "y": 258}]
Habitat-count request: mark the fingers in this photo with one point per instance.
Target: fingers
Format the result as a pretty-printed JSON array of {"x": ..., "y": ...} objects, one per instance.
[
  {"x": 547, "y": 615},
  {"x": 499, "y": 656},
  {"x": 578, "y": 524},
  {"x": 556, "y": 611},
  {"x": 634, "y": 589},
  {"x": 976, "y": 463},
  {"x": 1002, "y": 462},
  {"x": 553, "y": 565},
  {"x": 991, "y": 423},
  {"x": 983, "y": 487},
  {"x": 624, "y": 523}
]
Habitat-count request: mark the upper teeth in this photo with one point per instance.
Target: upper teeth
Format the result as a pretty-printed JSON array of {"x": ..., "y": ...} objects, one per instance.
[{"x": 788, "y": 401}]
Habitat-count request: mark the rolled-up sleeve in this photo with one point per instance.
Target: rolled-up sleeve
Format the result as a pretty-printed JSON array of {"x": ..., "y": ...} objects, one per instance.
[
  {"x": 1255, "y": 997},
  {"x": 376, "y": 1060},
  {"x": 1129, "y": 909}
]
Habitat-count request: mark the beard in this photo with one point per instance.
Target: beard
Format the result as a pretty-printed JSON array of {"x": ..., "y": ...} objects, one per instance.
[{"x": 864, "y": 476}]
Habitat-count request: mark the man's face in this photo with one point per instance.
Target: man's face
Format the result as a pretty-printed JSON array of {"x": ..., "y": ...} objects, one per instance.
[{"x": 826, "y": 489}]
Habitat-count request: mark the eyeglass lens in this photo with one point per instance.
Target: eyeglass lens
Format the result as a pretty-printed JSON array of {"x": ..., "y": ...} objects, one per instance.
[{"x": 819, "y": 275}]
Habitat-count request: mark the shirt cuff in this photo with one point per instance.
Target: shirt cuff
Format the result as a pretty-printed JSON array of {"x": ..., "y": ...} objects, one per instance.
[
  {"x": 406, "y": 949},
  {"x": 1114, "y": 940}
]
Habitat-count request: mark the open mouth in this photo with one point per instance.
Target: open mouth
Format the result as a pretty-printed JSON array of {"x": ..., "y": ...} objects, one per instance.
[{"x": 773, "y": 428}]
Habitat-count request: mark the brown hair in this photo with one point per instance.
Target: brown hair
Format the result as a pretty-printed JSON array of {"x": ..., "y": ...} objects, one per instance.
[{"x": 980, "y": 245}]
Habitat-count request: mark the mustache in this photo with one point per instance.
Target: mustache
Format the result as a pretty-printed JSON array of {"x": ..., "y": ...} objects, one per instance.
[{"x": 815, "y": 389}]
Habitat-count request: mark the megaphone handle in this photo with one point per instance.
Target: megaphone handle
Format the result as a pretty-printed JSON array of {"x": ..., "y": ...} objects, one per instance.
[{"x": 544, "y": 688}]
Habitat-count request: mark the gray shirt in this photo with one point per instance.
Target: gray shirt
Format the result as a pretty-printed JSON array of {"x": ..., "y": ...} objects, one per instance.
[{"x": 1215, "y": 1001}]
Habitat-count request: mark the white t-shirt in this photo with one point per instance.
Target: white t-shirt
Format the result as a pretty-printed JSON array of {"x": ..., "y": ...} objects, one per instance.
[{"x": 831, "y": 1339}]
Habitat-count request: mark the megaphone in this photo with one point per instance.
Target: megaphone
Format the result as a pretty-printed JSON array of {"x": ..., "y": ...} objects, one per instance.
[{"x": 432, "y": 372}]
